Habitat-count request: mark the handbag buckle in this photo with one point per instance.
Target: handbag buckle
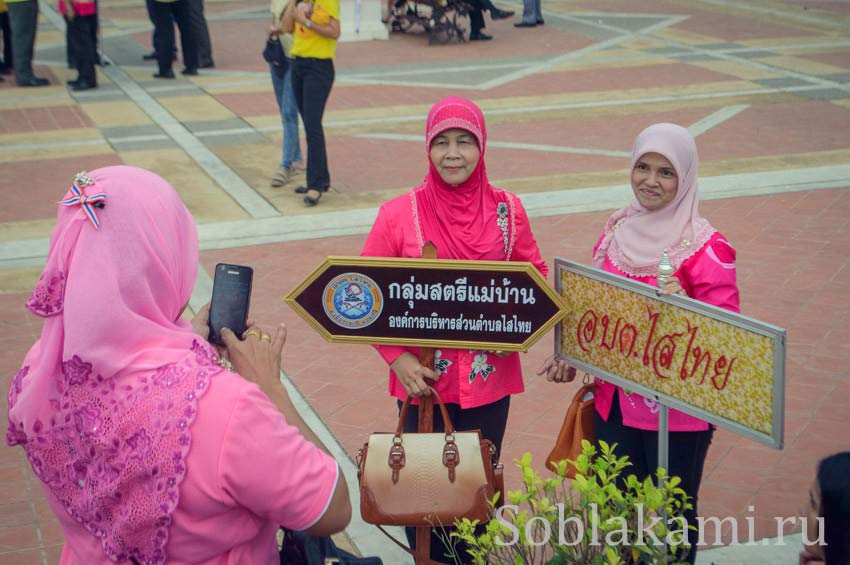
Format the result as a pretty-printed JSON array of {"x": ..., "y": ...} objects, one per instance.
[
  {"x": 396, "y": 459},
  {"x": 451, "y": 456}
]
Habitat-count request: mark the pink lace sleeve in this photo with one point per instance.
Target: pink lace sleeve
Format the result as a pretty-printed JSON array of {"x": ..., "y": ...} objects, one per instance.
[{"x": 268, "y": 467}]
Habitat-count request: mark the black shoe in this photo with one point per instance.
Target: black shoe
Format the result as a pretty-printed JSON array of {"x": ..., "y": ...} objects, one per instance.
[
  {"x": 34, "y": 81},
  {"x": 540, "y": 22},
  {"x": 207, "y": 65},
  {"x": 149, "y": 56},
  {"x": 498, "y": 14},
  {"x": 72, "y": 82},
  {"x": 83, "y": 85},
  {"x": 190, "y": 71},
  {"x": 525, "y": 24},
  {"x": 313, "y": 200},
  {"x": 164, "y": 74},
  {"x": 480, "y": 36},
  {"x": 305, "y": 190}
]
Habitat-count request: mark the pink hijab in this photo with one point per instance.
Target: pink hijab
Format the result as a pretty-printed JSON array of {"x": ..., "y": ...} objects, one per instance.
[
  {"x": 105, "y": 399},
  {"x": 461, "y": 220},
  {"x": 635, "y": 237}
]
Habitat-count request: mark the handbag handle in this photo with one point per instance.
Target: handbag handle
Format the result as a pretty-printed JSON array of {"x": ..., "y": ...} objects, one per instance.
[
  {"x": 451, "y": 454},
  {"x": 447, "y": 421}
]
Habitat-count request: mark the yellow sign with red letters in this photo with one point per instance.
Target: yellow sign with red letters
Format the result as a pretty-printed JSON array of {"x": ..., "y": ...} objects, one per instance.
[{"x": 705, "y": 361}]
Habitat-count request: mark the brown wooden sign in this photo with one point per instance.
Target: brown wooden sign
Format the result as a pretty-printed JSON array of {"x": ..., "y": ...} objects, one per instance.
[{"x": 491, "y": 305}]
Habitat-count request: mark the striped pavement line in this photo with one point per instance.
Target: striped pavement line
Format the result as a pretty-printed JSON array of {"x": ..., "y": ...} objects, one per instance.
[{"x": 246, "y": 233}]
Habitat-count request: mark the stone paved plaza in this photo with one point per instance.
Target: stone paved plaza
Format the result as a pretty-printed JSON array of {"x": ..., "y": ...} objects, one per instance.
[{"x": 764, "y": 85}]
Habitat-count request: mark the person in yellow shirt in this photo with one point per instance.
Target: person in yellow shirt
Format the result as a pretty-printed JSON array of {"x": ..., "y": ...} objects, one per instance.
[{"x": 316, "y": 28}]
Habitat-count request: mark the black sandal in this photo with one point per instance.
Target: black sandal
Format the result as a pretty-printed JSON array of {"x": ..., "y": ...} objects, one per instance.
[
  {"x": 310, "y": 201},
  {"x": 305, "y": 190}
]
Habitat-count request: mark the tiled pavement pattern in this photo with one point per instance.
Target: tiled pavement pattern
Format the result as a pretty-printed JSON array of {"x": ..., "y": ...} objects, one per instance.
[{"x": 765, "y": 84}]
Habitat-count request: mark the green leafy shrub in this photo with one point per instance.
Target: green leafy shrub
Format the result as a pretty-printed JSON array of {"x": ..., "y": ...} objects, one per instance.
[{"x": 607, "y": 517}]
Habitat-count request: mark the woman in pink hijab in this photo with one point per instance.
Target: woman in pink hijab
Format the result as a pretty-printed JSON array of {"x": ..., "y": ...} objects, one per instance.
[
  {"x": 664, "y": 216},
  {"x": 465, "y": 217},
  {"x": 147, "y": 449}
]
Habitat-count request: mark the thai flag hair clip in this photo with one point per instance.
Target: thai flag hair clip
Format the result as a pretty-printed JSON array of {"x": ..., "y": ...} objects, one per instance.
[{"x": 80, "y": 198}]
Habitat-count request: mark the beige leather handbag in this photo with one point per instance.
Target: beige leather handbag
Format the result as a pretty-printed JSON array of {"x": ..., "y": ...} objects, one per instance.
[{"x": 426, "y": 479}]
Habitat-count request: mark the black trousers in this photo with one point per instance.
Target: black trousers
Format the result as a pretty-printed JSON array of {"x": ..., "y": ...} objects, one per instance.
[
  {"x": 80, "y": 33},
  {"x": 686, "y": 458},
  {"x": 157, "y": 36},
  {"x": 163, "y": 13},
  {"x": 23, "y": 18},
  {"x": 202, "y": 33},
  {"x": 476, "y": 16},
  {"x": 6, "y": 30},
  {"x": 312, "y": 80},
  {"x": 491, "y": 420}
]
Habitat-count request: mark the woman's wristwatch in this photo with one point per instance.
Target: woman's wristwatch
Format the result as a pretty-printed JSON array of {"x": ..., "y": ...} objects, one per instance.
[{"x": 308, "y": 24}]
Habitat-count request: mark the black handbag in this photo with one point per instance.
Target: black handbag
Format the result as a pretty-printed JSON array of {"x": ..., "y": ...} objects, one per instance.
[
  {"x": 301, "y": 549},
  {"x": 273, "y": 52}
]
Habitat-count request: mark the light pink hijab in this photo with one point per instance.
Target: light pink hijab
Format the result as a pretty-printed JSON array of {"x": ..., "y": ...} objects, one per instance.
[
  {"x": 105, "y": 399},
  {"x": 635, "y": 237}
]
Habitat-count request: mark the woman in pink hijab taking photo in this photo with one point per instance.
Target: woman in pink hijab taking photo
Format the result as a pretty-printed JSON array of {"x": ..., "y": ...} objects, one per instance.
[
  {"x": 147, "y": 448},
  {"x": 465, "y": 217},
  {"x": 664, "y": 216}
]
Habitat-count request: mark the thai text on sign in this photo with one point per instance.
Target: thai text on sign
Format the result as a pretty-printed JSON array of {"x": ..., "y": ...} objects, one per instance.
[
  {"x": 705, "y": 361},
  {"x": 426, "y": 302}
]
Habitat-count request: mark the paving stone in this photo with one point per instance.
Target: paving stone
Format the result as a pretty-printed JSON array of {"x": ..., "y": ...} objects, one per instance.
[
  {"x": 233, "y": 139},
  {"x": 131, "y": 131},
  {"x": 783, "y": 82},
  {"x": 694, "y": 57},
  {"x": 214, "y": 125},
  {"x": 143, "y": 145},
  {"x": 843, "y": 78},
  {"x": 825, "y": 94},
  {"x": 721, "y": 46},
  {"x": 754, "y": 54}
]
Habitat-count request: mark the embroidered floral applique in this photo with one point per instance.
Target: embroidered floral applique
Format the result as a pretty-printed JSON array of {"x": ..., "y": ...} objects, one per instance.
[
  {"x": 76, "y": 371},
  {"x": 480, "y": 367},
  {"x": 440, "y": 365},
  {"x": 87, "y": 420},
  {"x": 502, "y": 221},
  {"x": 49, "y": 295},
  {"x": 653, "y": 406},
  {"x": 17, "y": 385},
  {"x": 90, "y": 450},
  {"x": 168, "y": 376}
]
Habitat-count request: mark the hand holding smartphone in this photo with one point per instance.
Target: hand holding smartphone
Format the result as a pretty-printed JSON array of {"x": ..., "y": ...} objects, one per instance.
[{"x": 231, "y": 298}]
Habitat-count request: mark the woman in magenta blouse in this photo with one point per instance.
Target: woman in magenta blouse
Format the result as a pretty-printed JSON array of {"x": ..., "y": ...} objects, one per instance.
[{"x": 465, "y": 217}]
